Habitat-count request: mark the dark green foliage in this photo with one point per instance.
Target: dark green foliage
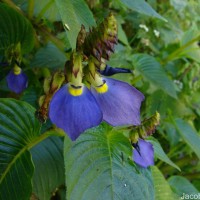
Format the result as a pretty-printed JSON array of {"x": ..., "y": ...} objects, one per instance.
[{"x": 15, "y": 29}]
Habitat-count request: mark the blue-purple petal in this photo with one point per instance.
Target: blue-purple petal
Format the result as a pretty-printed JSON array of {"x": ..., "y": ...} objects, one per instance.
[
  {"x": 74, "y": 114},
  {"x": 17, "y": 83},
  {"x": 144, "y": 155},
  {"x": 120, "y": 104}
]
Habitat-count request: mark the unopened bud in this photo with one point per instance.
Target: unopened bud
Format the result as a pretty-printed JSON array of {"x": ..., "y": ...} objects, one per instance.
[
  {"x": 109, "y": 71},
  {"x": 133, "y": 135}
]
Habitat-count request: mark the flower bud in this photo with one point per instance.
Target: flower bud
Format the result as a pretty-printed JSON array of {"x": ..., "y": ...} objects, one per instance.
[
  {"x": 51, "y": 85},
  {"x": 109, "y": 71},
  {"x": 100, "y": 41}
]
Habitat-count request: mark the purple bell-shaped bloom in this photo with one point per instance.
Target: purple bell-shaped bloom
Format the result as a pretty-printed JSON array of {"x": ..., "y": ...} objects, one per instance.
[
  {"x": 119, "y": 102},
  {"x": 143, "y": 153},
  {"x": 74, "y": 109},
  {"x": 17, "y": 81}
]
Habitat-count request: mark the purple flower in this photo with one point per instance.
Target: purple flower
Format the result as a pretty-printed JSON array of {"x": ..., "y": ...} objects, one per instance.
[
  {"x": 17, "y": 81},
  {"x": 143, "y": 153},
  {"x": 74, "y": 109},
  {"x": 119, "y": 102}
]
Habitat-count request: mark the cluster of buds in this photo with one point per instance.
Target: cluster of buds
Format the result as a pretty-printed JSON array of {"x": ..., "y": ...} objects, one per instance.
[
  {"x": 51, "y": 86},
  {"x": 100, "y": 42},
  {"x": 146, "y": 128}
]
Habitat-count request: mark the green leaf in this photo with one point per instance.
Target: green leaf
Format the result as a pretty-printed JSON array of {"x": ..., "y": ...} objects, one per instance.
[
  {"x": 74, "y": 13},
  {"x": 122, "y": 35},
  {"x": 42, "y": 9},
  {"x": 162, "y": 188},
  {"x": 45, "y": 9},
  {"x": 160, "y": 154},
  {"x": 179, "y": 5},
  {"x": 192, "y": 51},
  {"x": 142, "y": 7},
  {"x": 181, "y": 185},
  {"x": 49, "y": 175},
  {"x": 159, "y": 101},
  {"x": 18, "y": 130},
  {"x": 151, "y": 69},
  {"x": 98, "y": 165},
  {"x": 14, "y": 29},
  {"x": 54, "y": 58},
  {"x": 189, "y": 134},
  {"x": 31, "y": 96}
]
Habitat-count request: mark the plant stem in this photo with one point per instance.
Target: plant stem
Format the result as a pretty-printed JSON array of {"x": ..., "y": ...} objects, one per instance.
[
  {"x": 12, "y": 5},
  {"x": 51, "y": 37},
  {"x": 44, "y": 9},
  {"x": 174, "y": 54},
  {"x": 30, "y": 8},
  {"x": 185, "y": 71},
  {"x": 192, "y": 176}
]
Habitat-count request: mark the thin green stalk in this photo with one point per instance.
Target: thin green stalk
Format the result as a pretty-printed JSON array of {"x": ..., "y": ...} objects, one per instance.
[
  {"x": 192, "y": 176},
  {"x": 132, "y": 39},
  {"x": 174, "y": 54},
  {"x": 44, "y": 9},
  {"x": 173, "y": 150},
  {"x": 187, "y": 70},
  {"x": 136, "y": 79},
  {"x": 12, "y": 5},
  {"x": 30, "y": 8}
]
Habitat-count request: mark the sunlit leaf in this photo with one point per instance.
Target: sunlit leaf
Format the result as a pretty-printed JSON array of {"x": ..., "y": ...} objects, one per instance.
[
  {"x": 151, "y": 69},
  {"x": 97, "y": 165},
  {"x": 162, "y": 188},
  {"x": 181, "y": 185},
  {"x": 122, "y": 35},
  {"x": 189, "y": 134},
  {"x": 178, "y": 4},
  {"x": 74, "y": 13},
  {"x": 192, "y": 51},
  {"x": 142, "y": 7}
]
